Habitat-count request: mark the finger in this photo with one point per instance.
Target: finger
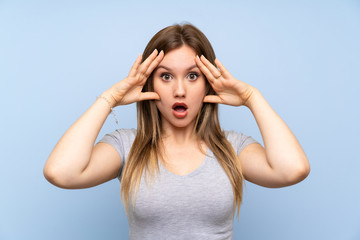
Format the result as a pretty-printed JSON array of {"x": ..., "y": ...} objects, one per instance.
[
  {"x": 135, "y": 66},
  {"x": 204, "y": 70},
  {"x": 223, "y": 70},
  {"x": 212, "y": 99},
  {"x": 154, "y": 63},
  {"x": 214, "y": 71},
  {"x": 149, "y": 96},
  {"x": 145, "y": 65}
]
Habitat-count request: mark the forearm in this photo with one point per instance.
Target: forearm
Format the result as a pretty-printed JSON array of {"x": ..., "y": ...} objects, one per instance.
[
  {"x": 283, "y": 152},
  {"x": 72, "y": 153}
]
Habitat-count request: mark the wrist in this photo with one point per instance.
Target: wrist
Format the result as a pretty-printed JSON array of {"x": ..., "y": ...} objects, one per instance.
[
  {"x": 107, "y": 95},
  {"x": 252, "y": 99}
]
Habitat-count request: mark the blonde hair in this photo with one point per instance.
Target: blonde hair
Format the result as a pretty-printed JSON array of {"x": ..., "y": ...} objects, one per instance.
[{"x": 144, "y": 153}]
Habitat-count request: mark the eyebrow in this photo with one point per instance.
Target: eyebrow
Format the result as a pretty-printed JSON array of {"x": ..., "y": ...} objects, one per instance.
[{"x": 169, "y": 69}]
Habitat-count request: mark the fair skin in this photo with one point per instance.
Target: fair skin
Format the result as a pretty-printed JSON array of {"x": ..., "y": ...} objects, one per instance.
[
  {"x": 179, "y": 81},
  {"x": 179, "y": 88}
]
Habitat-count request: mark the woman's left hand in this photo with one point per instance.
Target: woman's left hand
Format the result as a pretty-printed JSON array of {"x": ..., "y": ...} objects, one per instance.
[{"x": 229, "y": 90}]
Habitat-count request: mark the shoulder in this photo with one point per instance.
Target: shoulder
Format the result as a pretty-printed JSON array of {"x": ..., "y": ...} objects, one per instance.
[
  {"x": 234, "y": 137},
  {"x": 238, "y": 140},
  {"x": 123, "y": 135},
  {"x": 129, "y": 134},
  {"x": 121, "y": 139}
]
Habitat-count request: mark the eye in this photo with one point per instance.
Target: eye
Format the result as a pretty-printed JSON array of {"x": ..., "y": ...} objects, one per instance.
[
  {"x": 166, "y": 76},
  {"x": 193, "y": 76}
]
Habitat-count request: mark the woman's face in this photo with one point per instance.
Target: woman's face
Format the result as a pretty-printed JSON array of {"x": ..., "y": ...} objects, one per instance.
[{"x": 181, "y": 87}]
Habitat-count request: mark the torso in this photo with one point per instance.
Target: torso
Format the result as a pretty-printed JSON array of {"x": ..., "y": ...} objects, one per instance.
[
  {"x": 196, "y": 205},
  {"x": 182, "y": 160},
  {"x": 191, "y": 201}
]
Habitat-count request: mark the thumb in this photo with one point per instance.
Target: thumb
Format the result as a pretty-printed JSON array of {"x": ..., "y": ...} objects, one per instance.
[
  {"x": 212, "y": 99},
  {"x": 149, "y": 96}
]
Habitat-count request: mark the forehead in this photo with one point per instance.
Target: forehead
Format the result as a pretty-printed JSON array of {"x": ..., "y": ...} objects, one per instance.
[{"x": 179, "y": 58}]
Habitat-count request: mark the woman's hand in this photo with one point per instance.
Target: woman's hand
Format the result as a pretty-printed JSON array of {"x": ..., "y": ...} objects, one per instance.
[
  {"x": 129, "y": 90},
  {"x": 229, "y": 90}
]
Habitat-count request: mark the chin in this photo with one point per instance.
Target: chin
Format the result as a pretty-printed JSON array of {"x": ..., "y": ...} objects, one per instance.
[
  {"x": 180, "y": 123},
  {"x": 183, "y": 124}
]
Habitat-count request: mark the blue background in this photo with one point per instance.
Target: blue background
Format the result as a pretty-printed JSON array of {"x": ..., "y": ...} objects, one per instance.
[{"x": 57, "y": 56}]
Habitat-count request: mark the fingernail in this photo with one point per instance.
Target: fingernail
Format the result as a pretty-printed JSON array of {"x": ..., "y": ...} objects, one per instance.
[{"x": 154, "y": 50}]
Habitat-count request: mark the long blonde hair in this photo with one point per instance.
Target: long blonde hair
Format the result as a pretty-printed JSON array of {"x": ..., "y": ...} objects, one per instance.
[{"x": 144, "y": 153}]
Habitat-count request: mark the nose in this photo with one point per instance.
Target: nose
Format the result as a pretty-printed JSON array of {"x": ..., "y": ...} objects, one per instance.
[{"x": 179, "y": 88}]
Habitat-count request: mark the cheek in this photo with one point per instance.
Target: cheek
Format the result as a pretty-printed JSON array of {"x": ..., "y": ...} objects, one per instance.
[
  {"x": 159, "y": 86},
  {"x": 155, "y": 85},
  {"x": 163, "y": 92},
  {"x": 198, "y": 95},
  {"x": 201, "y": 88}
]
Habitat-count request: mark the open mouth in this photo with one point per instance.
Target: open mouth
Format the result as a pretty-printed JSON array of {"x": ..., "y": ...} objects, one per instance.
[{"x": 180, "y": 109}]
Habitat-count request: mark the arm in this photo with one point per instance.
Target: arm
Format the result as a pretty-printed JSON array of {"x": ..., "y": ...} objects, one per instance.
[
  {"x": 282, "y": 162},
  {"x": 75, "y": 162}
]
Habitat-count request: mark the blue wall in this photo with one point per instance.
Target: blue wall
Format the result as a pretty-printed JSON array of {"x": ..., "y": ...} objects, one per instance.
[{"x": 57, "y": 56}]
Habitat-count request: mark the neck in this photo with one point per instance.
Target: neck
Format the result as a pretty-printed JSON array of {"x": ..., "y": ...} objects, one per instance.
[
  {"x": 175, "y": 140},
  {"x": 179, "y": 135}
]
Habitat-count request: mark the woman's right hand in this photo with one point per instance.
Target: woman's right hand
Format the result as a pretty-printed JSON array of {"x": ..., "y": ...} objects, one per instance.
[
  {"x": 129, "y": 90},
  {"x": 87, "y": 165}
]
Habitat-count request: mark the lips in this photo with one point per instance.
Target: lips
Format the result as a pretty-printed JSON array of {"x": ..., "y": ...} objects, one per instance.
[{"x": 179, "y": 109}]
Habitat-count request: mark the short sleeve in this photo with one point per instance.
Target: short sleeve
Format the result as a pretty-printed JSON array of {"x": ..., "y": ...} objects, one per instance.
[
  {"x": 121, "y": 140},
  {"x": 238, "y": 140}
]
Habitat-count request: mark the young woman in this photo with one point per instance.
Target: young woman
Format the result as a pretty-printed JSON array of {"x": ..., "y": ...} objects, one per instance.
[{"x": 181, "y": 175}]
